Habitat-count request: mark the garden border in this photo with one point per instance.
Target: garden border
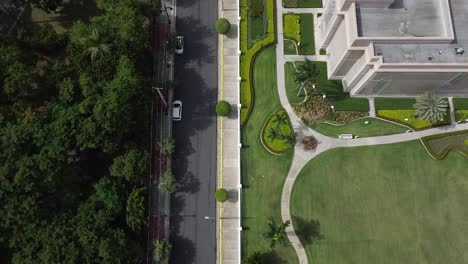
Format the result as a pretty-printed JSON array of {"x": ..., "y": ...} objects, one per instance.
[
  {"x": 413, "y": 128},
  {"x": 434, "y": 156},
  {"x": 270, "y": 39}
]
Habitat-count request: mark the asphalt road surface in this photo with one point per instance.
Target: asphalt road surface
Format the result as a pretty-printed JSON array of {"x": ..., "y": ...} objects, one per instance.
[{"x": 195, "y": 168}]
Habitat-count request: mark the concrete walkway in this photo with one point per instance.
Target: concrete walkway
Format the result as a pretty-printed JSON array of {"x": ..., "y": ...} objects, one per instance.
[
  {"x": 452, "y": 111},
  {"x": 229, "y": 213},
  {"x": 289, "y": 58},
  {"x": 301, "y": 157},
  {"x": 371, "y": 107},
  {"x": 300, "y": 10}
]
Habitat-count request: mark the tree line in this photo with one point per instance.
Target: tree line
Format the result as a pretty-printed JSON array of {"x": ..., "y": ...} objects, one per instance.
[{"x": 74, "y": 123}]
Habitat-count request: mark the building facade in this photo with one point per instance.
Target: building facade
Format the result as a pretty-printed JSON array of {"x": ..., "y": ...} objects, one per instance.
[{"x": 396, "y": 47}]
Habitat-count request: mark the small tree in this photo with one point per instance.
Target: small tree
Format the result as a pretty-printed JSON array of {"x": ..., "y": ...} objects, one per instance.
[
  {"x": 162, "y": 251},
  {"x": 309, "y": 142},
  {"x": 167, "y": 146},
  {"x": 171, "y": 42},
  {"x": 167, "y": 183},
  {"x": 221, "y": 195},
  {"x": 291, "y": 139},
  {"x": 255, "y": 258},
  {"x": 274, "y": 133},
  {"x": 431, "y": 107},
  {"x": 223, "y": 108},
  {"x": 222, "y": 25},
  {"x": 135, "y": 209},
  {"x": 276, "y": 233}
]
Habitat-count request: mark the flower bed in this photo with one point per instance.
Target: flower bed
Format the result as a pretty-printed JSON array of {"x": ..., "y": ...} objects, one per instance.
[
  {"x": 277, "y": 145},
  {"x": 440, "y": 145},
  {"x": 316, "y": 109}
]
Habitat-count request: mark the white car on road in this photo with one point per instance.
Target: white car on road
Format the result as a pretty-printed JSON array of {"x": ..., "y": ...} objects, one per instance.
[
  {"x": 180, "y": 45},
  {"x": 177, "y": 110}
]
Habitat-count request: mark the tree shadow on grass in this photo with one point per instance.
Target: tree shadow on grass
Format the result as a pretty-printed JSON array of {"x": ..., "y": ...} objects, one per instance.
[{"x": 308, "y": 231}]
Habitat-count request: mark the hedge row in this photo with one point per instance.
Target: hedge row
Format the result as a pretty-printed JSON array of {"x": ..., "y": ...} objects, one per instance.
[
  {"x": 394, "y": 103},
  {"x": 413, "y": 122},
  {"x": 461, "y": 148},
  {"x": 248, "y": 55}
]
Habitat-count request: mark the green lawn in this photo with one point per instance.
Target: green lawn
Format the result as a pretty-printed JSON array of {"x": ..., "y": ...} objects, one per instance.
[
  {"x": 461, "y": 115},
  {"x": 332, "y": 88},
  {"x": 277, "y": 145},
  {"x": 376, "y": 127},
  {"x": 460, "y": 103},
  {"x": 257, "y": 23},
  {"x": 394, "y": 103},
  {"x": 263, "y": 173},
  {"x": 303, "y": 3},
  {"x": 346, "y": 103},
  {"x": 383, "y": 204},
  {"x": 406, "y": 117},
  {"x": 289, "y": 47},
  {"x": 307, "y": 34},
  {"x": 291, "y": 28}
]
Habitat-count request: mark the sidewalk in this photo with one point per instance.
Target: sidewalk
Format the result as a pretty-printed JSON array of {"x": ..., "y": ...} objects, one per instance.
[{"x": 229, "y": 232}]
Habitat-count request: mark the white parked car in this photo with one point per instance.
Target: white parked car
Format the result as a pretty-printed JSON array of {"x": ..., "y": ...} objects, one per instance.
[
  {"x": 177, "y": 110},
  {"x": 180, "y": 45}
]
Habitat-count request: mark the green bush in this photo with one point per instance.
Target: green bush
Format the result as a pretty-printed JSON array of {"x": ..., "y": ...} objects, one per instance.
[
  {"x": 323, "y": 52},
  {"x": 256, "y": 9},
  {"x": 162, "y": 251},
  {"x": 223, "y": 108},
  {"x": 221, "y": 195},
  {"x": 222, "y": 25}
]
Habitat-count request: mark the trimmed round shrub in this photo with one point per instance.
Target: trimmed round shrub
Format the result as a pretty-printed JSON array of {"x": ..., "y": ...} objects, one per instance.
[
  {"x": 222, "y": 26},
  {"x": 223, "y": 108},
  {"x": 221, "y": 195}
]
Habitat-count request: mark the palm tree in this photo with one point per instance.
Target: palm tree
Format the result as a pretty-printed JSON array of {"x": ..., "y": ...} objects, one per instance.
[
  {"x": 305, "y": 74},
  {"x": 276, "y": 233},
  {"x": 291, "y": 139},
  {"x": 274, "y": 133},
  {"x": 430, "y": 107},
  {"x": 280, "y": 118},
  {"x": 95, "y": 45}
]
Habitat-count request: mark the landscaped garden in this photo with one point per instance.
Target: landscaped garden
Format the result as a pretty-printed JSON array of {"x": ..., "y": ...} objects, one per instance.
[
  {"x": 298, "y": 29},
  {"x": 382, "y": 204},
  {"x": 249, "y": 52},
  {"x": 440, "y": 145},
  {"x": 277, "y": 135},
  {"x": 303, "y": 3},
  {"x": 404, "y": 112},
  {"x": 263, "y": 174},
  {"x": 363, "y": 127},
  {"x": 307, "y": 84}
]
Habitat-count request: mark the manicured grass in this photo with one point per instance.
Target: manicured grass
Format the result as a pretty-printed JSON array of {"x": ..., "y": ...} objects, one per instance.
[
  {"x": 351, "y": 104},
  {"x": 460, "y": 103},
  {"x": 291, "y": 87},
  {"x": 376, "y": 127},
  {"x": 303, "y": 3},
  {"x": 257, "y": 23},
  {"x": 414, "y": 122},
  {"x": 439, "y": 145},
  {"x": 249, "y": 53},
  {"x": 394, "y": 103},
  {"x": 263, "y": 173},
  {"x": 289, "y": 47},
  {"x": 332, "y": 88},
  {"x": 277, "y": 145},
  {"x": 461, "y": 115},
  {"x": 291, "y": 27},
  {"x": 382, "y": 204},
  {"x": 307, "y": 34}
]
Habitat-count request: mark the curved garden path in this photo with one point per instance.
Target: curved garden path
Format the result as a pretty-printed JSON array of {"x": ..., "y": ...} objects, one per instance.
[{"x": 301, "y": 157}]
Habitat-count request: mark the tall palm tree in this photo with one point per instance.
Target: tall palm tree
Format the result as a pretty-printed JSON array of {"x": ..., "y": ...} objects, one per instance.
[
  {"x": 430, "y": 107},
  {"x": 96, "y": 45},
  {"x": 306, "y": 73},
  {"x": 280, "y": 118},
  {"x": 276, "y": 232},
  {"x": 274, "y": 133}
]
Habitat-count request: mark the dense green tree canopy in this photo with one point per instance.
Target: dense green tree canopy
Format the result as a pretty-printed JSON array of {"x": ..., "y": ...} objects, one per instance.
[{"x": 71, "y": 140}]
